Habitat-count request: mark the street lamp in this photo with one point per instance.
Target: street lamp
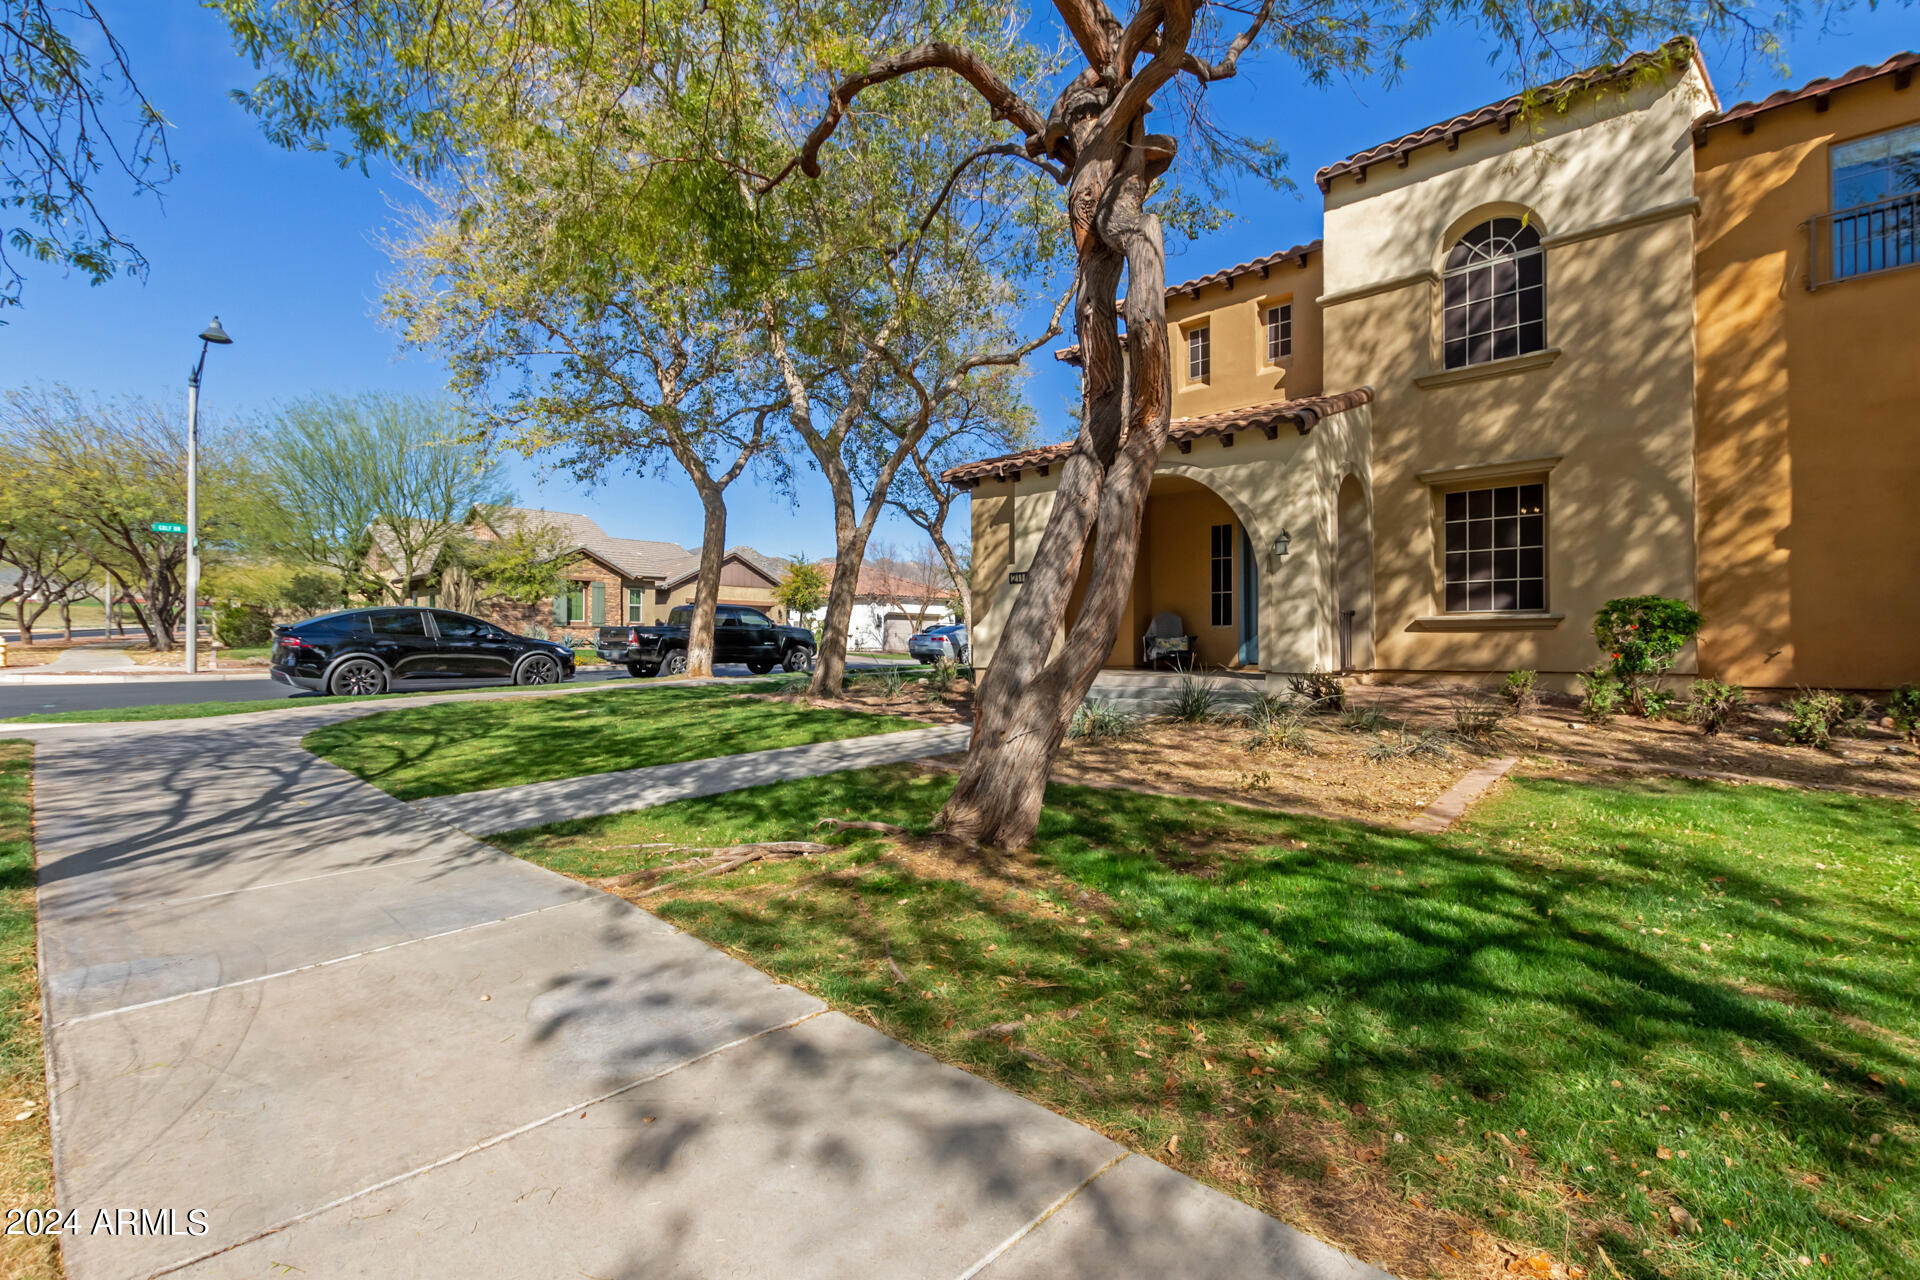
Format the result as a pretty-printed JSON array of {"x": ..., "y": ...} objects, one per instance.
[{"x": 212, "y": 335}]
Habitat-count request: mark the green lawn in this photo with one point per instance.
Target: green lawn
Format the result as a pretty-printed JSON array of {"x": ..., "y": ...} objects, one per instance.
[
  {"x": 26, "y": 1160},
  {"x": 196, "y": 710},
  {"x": 451, "y": 748},
  {"x": 1583, "y": 1011}
]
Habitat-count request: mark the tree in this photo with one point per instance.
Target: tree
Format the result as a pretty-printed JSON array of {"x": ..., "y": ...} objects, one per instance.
[
  {"x": 52, "y": 570},
  {"x": 358, "y": 482},
  {"x": 802, "y": 588},
  {"x": 57, "y": 139},
  {"x": 1095, "y": 141}
]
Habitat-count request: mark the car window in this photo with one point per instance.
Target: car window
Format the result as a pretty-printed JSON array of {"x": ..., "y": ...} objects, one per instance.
[
  {"x": 754, "y": 618},
  {"x": 396, "y": 622},
  {"x": 680, "y": 617},
  {"x": 458, "y": 626}
]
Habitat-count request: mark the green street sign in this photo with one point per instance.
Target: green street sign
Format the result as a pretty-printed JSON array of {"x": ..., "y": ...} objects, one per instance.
[{"x": 165, "y": 526}]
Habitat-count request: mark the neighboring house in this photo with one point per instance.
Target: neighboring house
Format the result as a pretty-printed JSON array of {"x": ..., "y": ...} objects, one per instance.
[
  {"x": 1639, "y": 345},
  {"x": 619, "y": 580},
  {"x": 889, "y": 606}
]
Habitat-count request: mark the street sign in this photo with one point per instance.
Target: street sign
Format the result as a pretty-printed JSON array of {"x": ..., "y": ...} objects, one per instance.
[{"x": 166, "y": 526}]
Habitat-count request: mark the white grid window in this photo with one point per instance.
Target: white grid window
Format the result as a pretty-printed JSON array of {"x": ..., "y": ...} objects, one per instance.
[
  {"x": 1494, "y": 294},
  {"x": 1199, "y": 354},
  {"x": 1279, "y": 332},
  {"x": 1496, "y": 549},
  {"x": 1222, "y": 566}
]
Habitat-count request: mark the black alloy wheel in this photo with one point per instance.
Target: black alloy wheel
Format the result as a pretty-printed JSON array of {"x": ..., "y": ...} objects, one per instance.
[
  {"x": 357, "y": 678},
  {"x": 676, "y": 663},
  {"x": 539, "y": 669}
]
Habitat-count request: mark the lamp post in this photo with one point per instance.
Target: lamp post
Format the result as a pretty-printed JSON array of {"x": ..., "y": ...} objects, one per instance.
[{"x": 212, "y": 335}]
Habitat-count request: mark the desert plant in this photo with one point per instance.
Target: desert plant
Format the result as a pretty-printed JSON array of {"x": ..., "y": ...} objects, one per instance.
[
  {"x": 1519, "y": 691},
  {"x": 891, "y": 681},
  {"x": 1404, "y": 744},
  {"x": 940, "y": 679},
  {"x": 1600, "y": 694},
  {"x": 1811, "y": 716},
  {"x": 1195, "y": 701},
  {"x": 1284, "y": 730},
  {"x": 1714, "y": 705},
  {"x": 1264, "y": 707},
  {"x": 1479, "y": 717},
  {"x": 1097, "y": 721},
  {"x": 1320, "y": 690},
  {"x": 1642, "y": 635},
  {"x": 1362, "y": 719},
  {"x": 1903, "y": 707}
]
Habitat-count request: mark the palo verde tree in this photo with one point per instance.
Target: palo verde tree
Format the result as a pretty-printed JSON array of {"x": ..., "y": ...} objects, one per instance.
[{"x": 1094, "y": 139}]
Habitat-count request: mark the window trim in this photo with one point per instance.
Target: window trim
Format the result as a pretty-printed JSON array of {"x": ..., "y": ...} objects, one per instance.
[
  {"x": 1217, "y": 534},
  {"x": 1537, "y": 249},
  {"x": 1199, "y": 349},
  {"x": 1441, "y": 481},
  {"x": 1271, "y": 360}
]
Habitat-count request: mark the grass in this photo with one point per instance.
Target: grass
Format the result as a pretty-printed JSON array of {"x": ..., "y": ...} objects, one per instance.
[
  {"x": 452, "y": 748},
  {"x": 196, "y": 710},
  {"x": 1584, "y": 1010},
  {"x": 26, "y": 1152}
]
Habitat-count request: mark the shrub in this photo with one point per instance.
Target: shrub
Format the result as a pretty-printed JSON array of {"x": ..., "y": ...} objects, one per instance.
[
  {"x": 1903, "y": 706},
  {"x": 1479, "y": 718},
  {"x": 243, "y": 626},
  {"x": 1284, "y": 730},
  {"x": 1714, "y": 705},
  {"x": 1811, "y": 715},
  {"x": 1403, "y": 743},
  {"x": 1321, "y": 690},
  {"x": 1362, "y": 719},
  {"x": 1642, "y": 635},
  {"x": 1097, "y": 721},
  {"x": 1600, "y": 695},
  {"x": 1195, "y": 701},
  {"x": 1655, "y": 701},
  {"x": 891, "y": 681},
  {"x": 1519, "y": 691},
  {"x": 945, "y": 672}
]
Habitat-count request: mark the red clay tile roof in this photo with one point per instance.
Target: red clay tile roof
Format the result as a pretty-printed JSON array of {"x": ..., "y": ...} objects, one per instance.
[
  {"x": 1900, "y": 66},
  {"x": 1302, "y": 414},
  {"x": 1502, "y": 113},
  {"x": 1261, "y": 264}
]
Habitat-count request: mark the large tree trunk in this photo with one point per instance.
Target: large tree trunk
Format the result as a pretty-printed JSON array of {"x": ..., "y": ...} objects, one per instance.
[
  {"x": 1029, "y": 695},
  {"x": 850, "y": 551},
  {"x": 706, "y": 590}
]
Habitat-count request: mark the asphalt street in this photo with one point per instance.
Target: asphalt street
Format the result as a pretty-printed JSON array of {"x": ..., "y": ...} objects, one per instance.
[{"x": 32, "y": 699}]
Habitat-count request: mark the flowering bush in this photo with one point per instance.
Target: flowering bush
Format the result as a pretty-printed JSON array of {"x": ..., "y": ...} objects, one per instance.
[{"x": 1641, "y": 636}]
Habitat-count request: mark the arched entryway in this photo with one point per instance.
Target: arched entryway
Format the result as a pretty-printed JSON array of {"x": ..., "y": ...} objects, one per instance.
[{"x": 1353, "y": 577}]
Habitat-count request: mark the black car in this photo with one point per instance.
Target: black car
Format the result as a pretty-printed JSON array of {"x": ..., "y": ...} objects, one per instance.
[
  {"x": 361, "y": 651},
  {"x": 740, "y": 634}
]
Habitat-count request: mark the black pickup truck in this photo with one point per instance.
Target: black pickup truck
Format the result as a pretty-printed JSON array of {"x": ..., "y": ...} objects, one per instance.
[{"x": 740, "y": 634}]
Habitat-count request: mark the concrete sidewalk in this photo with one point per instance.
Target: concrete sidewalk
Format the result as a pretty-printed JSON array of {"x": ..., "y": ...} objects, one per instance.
[
  {"x": 363, "y": 1044},
  {"x": 535, "y": 804}
]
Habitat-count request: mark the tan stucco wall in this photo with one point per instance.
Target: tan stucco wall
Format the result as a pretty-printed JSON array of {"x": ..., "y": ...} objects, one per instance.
[
  {"x": 1809, "y": 456},
  {"x": 1235, "y": 317},
  {"x": 1610, "y": 192}
]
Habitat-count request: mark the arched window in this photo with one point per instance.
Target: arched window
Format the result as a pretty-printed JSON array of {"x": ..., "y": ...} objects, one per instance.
[{"x": 1495, "y": 297}]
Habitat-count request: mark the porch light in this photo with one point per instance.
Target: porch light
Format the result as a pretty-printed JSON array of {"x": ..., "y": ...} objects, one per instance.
[{"x": 1282, "y": 542}]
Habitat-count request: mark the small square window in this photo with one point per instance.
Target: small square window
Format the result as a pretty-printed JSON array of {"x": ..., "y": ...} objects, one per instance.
[
  {"x": 1199, "y": 354},
  {"x": 1279, "y": 332}
]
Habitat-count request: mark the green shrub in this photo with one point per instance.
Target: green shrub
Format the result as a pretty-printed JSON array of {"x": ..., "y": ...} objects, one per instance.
[
  {"x": 1321, "y": 690},
  {"x": 1714, "y": 705},
  {"x": 1903, "y": 705},
  {"x": 1362, "y": 719},
  {"x": 1479, "y": 718},
  {"x": 1282, "y": 728},
  {"x": 1097, "y": 721},
  {"x": 1641, "y": 636},
  {"x": 242, "y": 626},
  {"x": 1600, "y": 694},
  {"x": 1195, "y": 701},
  {"x": 1519, "y": 691},
  {"x": 945, "y": 672},
  {"x": 1815, "y": 717},
  {"x": 1654, "y": 702}
]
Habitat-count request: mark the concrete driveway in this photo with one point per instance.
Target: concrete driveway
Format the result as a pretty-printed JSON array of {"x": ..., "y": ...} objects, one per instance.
[{"x": 335, "y": 1037}]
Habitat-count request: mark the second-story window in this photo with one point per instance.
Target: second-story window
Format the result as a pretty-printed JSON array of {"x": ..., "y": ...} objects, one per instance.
[
  {"x": 1199, "y": 354},
  {"x": 1876, "y": 202},
  {"x": 1279, "y": 332},
  {"x": 1494, "y": 294}
]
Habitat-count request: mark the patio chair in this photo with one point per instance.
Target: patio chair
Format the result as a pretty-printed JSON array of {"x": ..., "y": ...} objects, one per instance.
[{"x": 1166, "y": 641}]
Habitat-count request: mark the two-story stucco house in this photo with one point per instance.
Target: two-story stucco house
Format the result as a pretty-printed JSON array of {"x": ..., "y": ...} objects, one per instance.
[{"x": 1605, "y": 340}]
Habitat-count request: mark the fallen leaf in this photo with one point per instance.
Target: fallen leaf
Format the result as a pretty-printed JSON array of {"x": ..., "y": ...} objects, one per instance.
[
  {"x": 1663, "y": 1153},
  {"x": 1683, "y": 1219},
  {"x": 1173, "y": 1144}
]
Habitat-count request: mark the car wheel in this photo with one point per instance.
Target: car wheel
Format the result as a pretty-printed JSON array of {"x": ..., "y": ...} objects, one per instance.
[
  {"x": 797, "y": 659},
  {"x": 641, "y": 670},
  {"x": 357, "y": 678},
  {"x": 676, "y": 663},
  {"x": 759, "y": 668},
  {"x": 539, "y": 669}
]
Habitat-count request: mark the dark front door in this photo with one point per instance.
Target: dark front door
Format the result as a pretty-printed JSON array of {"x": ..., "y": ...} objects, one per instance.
[
  {"x": 400, "y": 639},
  {"x": 471, "y": 649}
]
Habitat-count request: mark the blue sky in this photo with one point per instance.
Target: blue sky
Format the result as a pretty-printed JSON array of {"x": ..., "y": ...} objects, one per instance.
[{"x": 285, "y": 247}]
